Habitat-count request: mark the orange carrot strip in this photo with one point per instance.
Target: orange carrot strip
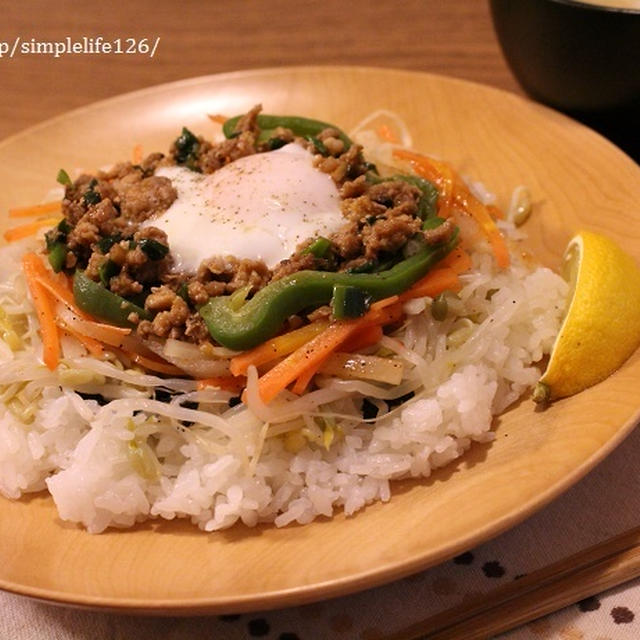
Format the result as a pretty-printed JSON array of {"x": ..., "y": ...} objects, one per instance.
[
  {"x": 226, "y": 383},
  {"x": 91, "y": 344},
  {"x": 445, "y": 201},
  {"x": 57, "y": 284},
  {"x": 495, "y": 212},
  {"x": 360, "y": 339},
  {"x": 457, "y": 260},
  {"x": 479, "y": 212},
  {"x": 277, "y": 347},
  {"x": 454, "y": 192},
  {"x": 26, "y": 230},
  {"x": 421, "y": 164},
  {"x": 59, "y": 288},
  {"x": 136, "y": 155},
  {"x": 35, "y": 210},
  {"x": 317, "y": 349},
  {"x": 385, "y": 133},
  {"x": 365, "y": 337},
  {"x": 307, "y": 356},
  {"x": 151, "y": 363},
  {"x": 435, "y": 282},
  {"x": 45, "y": 311},
  {"x": 217, "y": 118},
  {"x": 102, "y": 332},
  {"x": 379, "y": 305},
  {"x": 355, "y": 341},
  {"x": 304, "y": 379},
  {"x": 440, "y": 173}
]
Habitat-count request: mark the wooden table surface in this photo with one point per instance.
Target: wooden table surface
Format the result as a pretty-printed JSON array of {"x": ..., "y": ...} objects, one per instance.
[{"x": 198, "y": 38}]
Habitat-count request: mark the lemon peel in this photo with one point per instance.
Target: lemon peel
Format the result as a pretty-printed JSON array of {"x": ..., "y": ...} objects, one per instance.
[{"x": 601, "y": 327}]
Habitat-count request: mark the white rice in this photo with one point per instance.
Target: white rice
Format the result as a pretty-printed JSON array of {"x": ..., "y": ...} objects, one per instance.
[{"x": 133, "y": 459}]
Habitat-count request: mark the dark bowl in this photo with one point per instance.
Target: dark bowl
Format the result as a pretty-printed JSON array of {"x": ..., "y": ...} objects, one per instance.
[{"x": 583, "y": 59}]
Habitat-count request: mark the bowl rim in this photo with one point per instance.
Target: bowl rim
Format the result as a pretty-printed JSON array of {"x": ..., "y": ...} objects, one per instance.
[{"x": 592, "y": 6}]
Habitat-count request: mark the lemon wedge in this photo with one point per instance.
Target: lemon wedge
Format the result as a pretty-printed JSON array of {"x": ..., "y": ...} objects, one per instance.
[{"x": 601, "y": 328}]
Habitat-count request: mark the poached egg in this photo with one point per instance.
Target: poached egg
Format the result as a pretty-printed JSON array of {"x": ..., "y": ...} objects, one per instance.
[{"x": 258, "y": 207}]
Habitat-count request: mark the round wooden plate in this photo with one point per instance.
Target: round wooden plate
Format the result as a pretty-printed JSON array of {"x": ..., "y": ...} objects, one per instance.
[{"x": 578, "y": 180}]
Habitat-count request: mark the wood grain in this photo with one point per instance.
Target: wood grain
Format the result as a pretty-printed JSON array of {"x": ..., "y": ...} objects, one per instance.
[
  {"x": 577, "y": 180},
  {"x": 200, "y": 38},
  {"x": 558, "y": 585}
]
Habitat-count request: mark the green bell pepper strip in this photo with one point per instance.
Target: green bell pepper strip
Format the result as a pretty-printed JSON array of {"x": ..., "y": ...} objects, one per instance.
[
  {"x": 107, "y": 270},
  {"x": 98, "y": 301},
  {"x": 57, "y": 256},
  {"x": 349, "y": 302},
  {"x": 63, "y": 178},
  {"x": 432, "y": 223},
  {"x": 319, "y": 248},
  {"x": 269, "y": 123},
  {"x": 246, "y": 325}
]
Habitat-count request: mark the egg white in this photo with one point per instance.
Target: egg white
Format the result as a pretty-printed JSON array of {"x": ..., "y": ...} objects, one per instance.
[{"x": 258, "y": 207}]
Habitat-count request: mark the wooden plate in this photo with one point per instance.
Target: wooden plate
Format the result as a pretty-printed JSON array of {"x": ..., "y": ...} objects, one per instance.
[{"x": 578, "y": 180}]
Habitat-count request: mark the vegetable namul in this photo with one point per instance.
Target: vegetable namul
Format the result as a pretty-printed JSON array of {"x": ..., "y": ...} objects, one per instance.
[{"x": 266, "y": 327}]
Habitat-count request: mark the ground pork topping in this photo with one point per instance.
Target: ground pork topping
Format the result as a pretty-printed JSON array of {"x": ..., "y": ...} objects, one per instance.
[
  {"x": 201, "y": 155},
  {"x": 440, "y": 234},
  {"x": 347, "y": 166},
  {"x": 298, "y": 262},
  {"x": 388, "y": 234},
  {"x": 106, "y": 236},
  {"x": 148, "y": 197},
  {"x": 171, "y": 317},
  {"x": 381, "y": 218},
  {"x": 220, "y": 275}
]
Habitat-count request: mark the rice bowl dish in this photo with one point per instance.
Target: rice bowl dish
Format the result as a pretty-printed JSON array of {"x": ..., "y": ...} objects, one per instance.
[{"x": 115, "y": 443}]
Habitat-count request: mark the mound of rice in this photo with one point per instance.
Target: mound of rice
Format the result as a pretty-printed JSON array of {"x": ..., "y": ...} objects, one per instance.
[{"x": 116, "y": 446}]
